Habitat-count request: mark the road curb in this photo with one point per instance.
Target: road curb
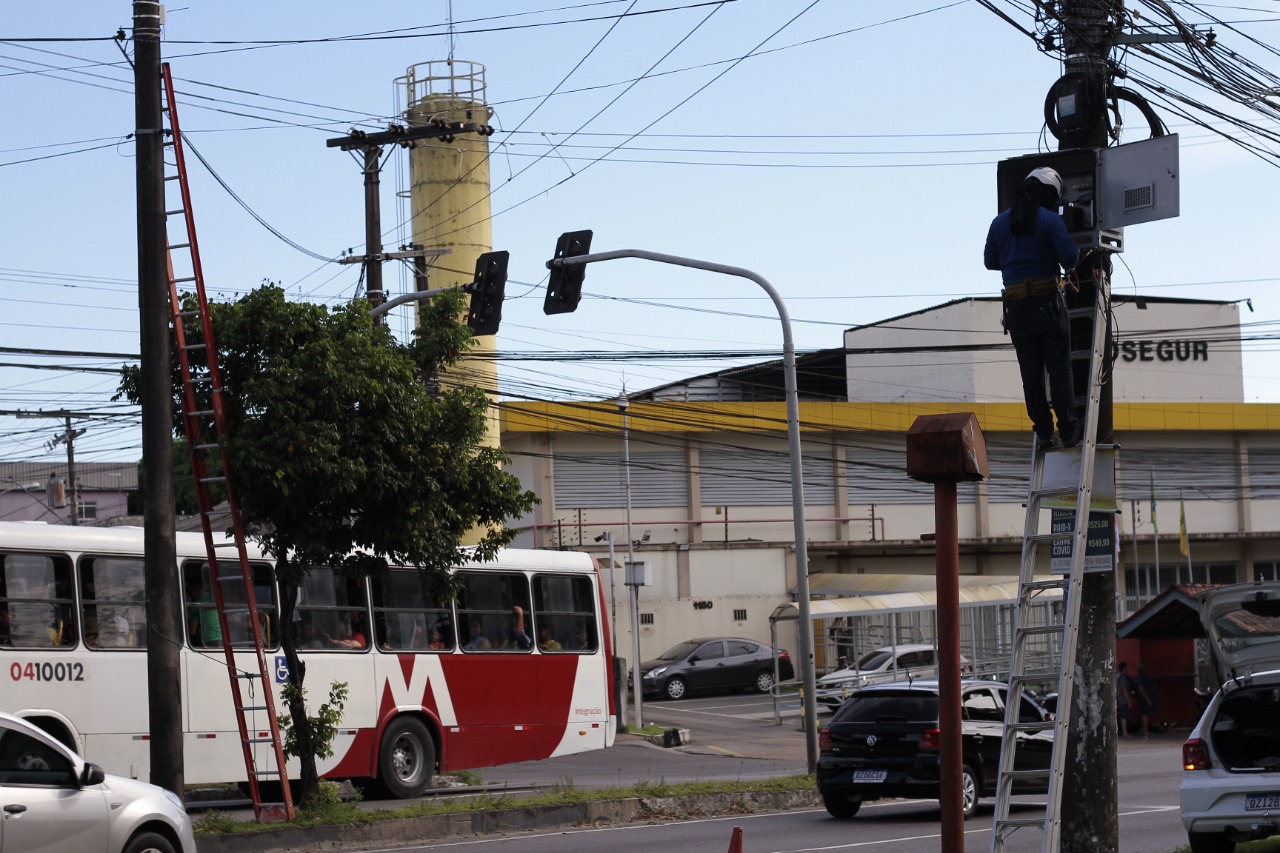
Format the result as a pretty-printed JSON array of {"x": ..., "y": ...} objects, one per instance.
[{"x": 316, "y": 839}]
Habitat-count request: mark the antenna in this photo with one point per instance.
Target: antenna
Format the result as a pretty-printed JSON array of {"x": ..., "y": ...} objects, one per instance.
[{"x": 451, "y": 32}]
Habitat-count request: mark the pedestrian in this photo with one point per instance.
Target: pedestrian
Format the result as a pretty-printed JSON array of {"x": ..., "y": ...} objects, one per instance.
[
  {"x": 1124, "y": 694},
  {"x": 1145, "y": 690},
  {"x": 1028, "y": 243}
]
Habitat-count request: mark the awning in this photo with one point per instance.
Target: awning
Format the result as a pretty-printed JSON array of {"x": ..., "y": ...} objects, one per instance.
[{"x": 904, "y": 602}]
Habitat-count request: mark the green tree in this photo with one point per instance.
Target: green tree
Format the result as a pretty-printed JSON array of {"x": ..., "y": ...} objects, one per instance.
[{"x": 341, "y": 455}]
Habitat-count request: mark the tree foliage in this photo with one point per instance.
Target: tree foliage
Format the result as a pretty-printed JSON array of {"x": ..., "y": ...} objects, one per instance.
[{"x": 341, "y": 455}]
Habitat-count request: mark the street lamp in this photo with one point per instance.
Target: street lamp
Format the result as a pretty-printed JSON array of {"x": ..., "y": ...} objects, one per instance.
[
  {"x": 565, "y": 260},
  {"x": 623, "y": 405}
]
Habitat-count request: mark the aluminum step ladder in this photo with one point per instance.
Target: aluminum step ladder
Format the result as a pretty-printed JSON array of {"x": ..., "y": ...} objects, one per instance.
[
  {"x": 205, "y": 423},
  {"x": 1039, "y": 642}
]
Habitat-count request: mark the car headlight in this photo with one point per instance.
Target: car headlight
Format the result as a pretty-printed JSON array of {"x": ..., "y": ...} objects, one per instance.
[
  {"x": 173, "y": 798},
  {"x": 654, "y": 673}
]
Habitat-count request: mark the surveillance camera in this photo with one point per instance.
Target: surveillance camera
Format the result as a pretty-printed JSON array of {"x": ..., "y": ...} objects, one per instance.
[
  {"x": 645, "y": 537},
  {"x": 602, "y": 537}
]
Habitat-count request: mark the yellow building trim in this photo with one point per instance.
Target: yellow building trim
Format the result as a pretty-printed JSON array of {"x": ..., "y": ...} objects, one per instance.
[{"x": 678, "y": 417}]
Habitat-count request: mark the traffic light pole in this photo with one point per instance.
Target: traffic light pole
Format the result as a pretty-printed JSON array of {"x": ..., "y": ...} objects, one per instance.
[{"x": 793, "y": 443}]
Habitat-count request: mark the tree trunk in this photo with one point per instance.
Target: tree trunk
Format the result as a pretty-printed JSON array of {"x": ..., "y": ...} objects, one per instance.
[{"x": 308, "y": 779}]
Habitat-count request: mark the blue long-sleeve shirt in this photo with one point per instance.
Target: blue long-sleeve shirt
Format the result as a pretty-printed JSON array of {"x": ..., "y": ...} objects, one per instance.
[{"x": 1037, "y": 255}]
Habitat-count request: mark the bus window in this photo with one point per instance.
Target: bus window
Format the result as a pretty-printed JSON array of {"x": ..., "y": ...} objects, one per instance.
[
  {"x": 331, "y": 611},
  {"x": 564, "y": 613},
  {"x": 113, "y": 604},
  {"x": 409, "y": 615},
  {"x": 203, "y": 628},
  {"x": 493, "y": 612},
  {"x": 35, "y": 596}
]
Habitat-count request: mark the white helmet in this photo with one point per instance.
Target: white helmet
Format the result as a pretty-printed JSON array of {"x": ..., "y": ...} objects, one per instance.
[{"x": 1048, "y": 177}]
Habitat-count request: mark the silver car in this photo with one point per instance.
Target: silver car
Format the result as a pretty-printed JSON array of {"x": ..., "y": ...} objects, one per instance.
[
  {"x": 1231, "y": 782},
  {"x": 52, "y": 801},
  {"x": 906, "y": 662}
]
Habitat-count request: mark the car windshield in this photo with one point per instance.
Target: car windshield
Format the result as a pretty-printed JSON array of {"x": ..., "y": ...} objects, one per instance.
[
  {"x": 889, "y": 707},
  {"x": 679, "y": 651},
  {"x": 874, "y": 660}
]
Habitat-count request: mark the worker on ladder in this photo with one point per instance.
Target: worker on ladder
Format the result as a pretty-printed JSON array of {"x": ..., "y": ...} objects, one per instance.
[{"x": 1028, "y": 244}]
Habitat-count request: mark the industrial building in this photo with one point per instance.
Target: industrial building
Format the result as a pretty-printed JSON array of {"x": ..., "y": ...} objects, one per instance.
[{"x": 710, "y": 492}]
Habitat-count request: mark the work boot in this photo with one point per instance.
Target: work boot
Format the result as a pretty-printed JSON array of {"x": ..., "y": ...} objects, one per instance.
[
  {"x": 1070, "y": 434},
  {"x": 1044, "y": 440}
]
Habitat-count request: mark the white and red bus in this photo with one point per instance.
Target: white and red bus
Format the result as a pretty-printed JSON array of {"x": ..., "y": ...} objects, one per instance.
[{"x": 434, "y": 684}]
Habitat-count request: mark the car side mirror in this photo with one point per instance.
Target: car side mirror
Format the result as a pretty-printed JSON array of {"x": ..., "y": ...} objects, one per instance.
[
  {"x": 694, "y": 659},
  {"x": 92, "y": 775}
]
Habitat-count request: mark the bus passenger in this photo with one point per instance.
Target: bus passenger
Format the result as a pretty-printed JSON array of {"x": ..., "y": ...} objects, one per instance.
[
  {"x": 307, "y": 638},
  {"x": 437, "y": 639},
  {"x": 516, "y": 636},
  {"x": 476, "y": 639},
  {"x": 581, "y": 641},
  {"x": 546, "y": 642},
  {"x": 202, "y": 617}
]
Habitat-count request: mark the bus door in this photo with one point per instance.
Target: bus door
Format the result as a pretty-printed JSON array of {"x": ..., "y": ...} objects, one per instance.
[
  {"x": 573, "y": 708},
  {"x": 494, "y": 681}
]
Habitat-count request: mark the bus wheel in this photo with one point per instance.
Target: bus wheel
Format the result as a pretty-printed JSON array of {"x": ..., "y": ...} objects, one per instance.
[{"x": 407, "y": 758}]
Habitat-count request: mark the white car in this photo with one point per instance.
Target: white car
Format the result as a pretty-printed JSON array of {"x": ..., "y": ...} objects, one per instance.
[
  {"x": 51, "y": 801},
  {"x": 1231, "y": 785},
  {"x": 907, "y": 662}
]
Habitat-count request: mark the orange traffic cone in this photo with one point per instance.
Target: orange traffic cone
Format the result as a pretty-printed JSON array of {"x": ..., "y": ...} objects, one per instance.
[{"x": 735, "y": 840}]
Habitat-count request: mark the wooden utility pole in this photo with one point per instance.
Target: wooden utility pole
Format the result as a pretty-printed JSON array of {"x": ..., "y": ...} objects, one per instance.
[
  {"x": 1090, "y": 819},
  {"x": 164, "y": 625}
]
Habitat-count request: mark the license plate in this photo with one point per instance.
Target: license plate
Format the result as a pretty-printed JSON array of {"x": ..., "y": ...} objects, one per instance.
[
  {"x": 1261, "y": 802},
  {"x": 873, "y": 776}
]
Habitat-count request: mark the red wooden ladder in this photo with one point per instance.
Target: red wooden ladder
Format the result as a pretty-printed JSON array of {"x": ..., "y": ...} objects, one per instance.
[{"x": 205, "y": 421}]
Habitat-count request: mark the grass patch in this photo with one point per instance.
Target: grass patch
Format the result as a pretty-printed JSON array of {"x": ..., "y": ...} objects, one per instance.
[
  {"x": 648, "y": 729},
  {"x": 328, "y": 809}
]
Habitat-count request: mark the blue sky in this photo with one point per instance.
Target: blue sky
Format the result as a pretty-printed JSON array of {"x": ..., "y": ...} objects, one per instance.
[{"x": 851, "y": 162}]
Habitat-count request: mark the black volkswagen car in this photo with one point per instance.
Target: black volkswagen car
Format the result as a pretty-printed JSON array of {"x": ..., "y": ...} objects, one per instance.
[
  {"x": 714, "y": 664},
  {"x": 885, "y": 741}
]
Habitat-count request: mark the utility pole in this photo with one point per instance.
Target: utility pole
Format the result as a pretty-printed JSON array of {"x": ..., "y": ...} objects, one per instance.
[
  {"x": 164, "y": 632},
  {"x": 69, "y": 436},
  {"x": 1090, "y": 818},
  {"x": 370, "y": 144}
]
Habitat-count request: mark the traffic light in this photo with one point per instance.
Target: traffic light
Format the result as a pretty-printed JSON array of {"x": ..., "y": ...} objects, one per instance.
[
  {"x": 564, "y": 290},
  {"x": 487, "y": 290}
]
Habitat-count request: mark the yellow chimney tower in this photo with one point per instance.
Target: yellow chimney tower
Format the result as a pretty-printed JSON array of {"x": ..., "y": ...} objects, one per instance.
[{"x": 449, "y": 195}]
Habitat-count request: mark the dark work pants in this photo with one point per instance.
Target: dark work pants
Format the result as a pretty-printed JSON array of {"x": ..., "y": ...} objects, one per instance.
[{"x": 1038, "y": 328}]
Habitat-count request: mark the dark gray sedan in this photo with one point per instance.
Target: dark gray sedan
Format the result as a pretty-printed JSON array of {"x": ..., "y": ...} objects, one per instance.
[{"x": 712, "y": 664}]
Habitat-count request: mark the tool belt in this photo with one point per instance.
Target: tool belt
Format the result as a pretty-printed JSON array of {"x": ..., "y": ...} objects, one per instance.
[{"x": 1014, "y": 290}]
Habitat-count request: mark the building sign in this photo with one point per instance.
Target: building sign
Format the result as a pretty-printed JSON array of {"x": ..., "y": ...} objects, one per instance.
[
  {"x": 1100, "y": 545},
  {"x": 1162, "y": 350}
]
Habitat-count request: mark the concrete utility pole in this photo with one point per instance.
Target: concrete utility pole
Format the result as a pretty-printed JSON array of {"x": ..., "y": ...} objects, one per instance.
[
  {"x": 69, "y": 436},
  {"x": 371, "y": 145},
  {"x": 1090, "y": 815},
  {"x": 164, "y": 632}
]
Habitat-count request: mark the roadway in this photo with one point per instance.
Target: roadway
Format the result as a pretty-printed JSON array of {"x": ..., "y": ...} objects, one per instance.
[{"x": 733, "y": 737}]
